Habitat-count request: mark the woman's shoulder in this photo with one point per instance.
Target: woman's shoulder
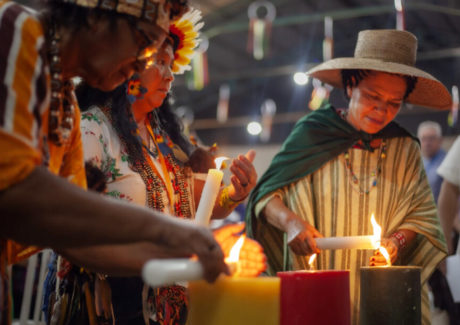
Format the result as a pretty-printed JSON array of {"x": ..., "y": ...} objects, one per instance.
[
  {"x": 94, "y": 115},
  {"x": 94, "y": 122}
]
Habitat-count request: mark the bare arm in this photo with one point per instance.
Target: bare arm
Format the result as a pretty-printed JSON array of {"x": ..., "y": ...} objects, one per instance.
[
  {"x": 447, "y": 209},
  {"x": 299, "y": 232},
  {"x": 117, "y": 260},
  {"x": 45, "y": 210}
]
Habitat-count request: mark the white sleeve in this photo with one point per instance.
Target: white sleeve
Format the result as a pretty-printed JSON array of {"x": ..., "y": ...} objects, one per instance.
[{"x": 450, "y": 167}]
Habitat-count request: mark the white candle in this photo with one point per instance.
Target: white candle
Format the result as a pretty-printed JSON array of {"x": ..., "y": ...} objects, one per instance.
[
  {"x": 351, "y": 242},
  {"x": 158, "y": 273},
  {"x": 209, "y": 194}
]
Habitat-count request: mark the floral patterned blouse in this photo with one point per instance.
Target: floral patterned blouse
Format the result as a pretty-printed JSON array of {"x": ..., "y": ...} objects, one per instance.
[{"x": 104, "y": 150}]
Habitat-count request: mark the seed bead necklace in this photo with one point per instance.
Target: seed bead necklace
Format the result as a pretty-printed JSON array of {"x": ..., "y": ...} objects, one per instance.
[{"x": 374, "y": 174}]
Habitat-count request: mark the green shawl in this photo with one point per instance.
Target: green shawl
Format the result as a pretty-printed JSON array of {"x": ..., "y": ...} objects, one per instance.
[{"x": 316, "y": 139}]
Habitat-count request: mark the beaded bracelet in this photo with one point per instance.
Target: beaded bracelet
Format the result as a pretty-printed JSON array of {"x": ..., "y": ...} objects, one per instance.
[
  {"x": 399, "y": 236},
  {"x": 226, "y": 202}
]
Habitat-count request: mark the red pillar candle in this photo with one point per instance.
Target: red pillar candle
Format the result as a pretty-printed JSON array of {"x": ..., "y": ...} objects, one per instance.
[{"x": 315, "y": 297}]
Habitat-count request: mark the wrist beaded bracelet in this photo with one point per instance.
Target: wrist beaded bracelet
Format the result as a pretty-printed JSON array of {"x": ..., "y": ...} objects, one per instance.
[
  {"x": 399, "y": 236},
  {"x": 226, "y": 201}
]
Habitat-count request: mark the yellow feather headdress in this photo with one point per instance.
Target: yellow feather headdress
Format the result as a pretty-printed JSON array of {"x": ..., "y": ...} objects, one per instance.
[{"x": 186, "y": 31}]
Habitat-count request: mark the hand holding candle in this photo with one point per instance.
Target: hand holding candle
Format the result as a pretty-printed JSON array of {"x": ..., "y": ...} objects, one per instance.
[
  {"x": 244, "y": 257},
  {"x": 209, "y": 194},
  {"x": 353, "y": 242},
  {"x": 389, "y": 247},
  {"x": 251, "y": 260}
]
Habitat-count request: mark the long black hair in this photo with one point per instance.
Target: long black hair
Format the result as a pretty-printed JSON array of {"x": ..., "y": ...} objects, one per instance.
[{"x": 122, "y": 118}]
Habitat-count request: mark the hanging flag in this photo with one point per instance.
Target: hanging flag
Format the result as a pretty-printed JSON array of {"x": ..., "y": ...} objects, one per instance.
[
  {"x": 400, "y": 21},
  {"x": 268, "y": 111},
  {"x": 260, "y": 28},
  {"x": 453, "y": 114},
  {"x": 328, "y": 43},
  {"x": 222, "y": 105},
  {"x": 198, "y": 77}
]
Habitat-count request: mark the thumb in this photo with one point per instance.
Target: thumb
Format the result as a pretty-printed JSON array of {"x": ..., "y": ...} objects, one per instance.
[{"x": 250, "y": 155}]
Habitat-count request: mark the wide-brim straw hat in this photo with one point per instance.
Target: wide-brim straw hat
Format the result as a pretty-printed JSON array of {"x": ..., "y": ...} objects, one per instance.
[{"x": 391, "y": 51}]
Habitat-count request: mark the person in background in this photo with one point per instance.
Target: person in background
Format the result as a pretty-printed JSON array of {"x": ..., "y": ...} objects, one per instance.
[
  {"x": 448, "y": 209},
  {"x": 450, "y": 193},
  {"x": 430, "y": 136}
]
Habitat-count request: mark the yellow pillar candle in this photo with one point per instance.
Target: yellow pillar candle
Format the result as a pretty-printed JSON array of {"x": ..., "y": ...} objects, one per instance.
[{"x": 235, "y": 301}]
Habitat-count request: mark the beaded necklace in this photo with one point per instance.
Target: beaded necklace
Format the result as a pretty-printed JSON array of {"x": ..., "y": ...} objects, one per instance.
[
  {"x": 154, "y": 184},
  {"x": 374, "y": 174},
  {"x": 62, "y": 109}
]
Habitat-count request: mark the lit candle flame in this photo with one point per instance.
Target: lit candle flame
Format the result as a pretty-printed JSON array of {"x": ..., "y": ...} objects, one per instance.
[
  {"x": 219, "y": 162},
  {"x": 311, "y": 261},
  {"x": 377, "y": 231},
  {"x": 385, "y": 254},
  {"x": 398, "y": 5},
  {"x": 234, "y": 255}
]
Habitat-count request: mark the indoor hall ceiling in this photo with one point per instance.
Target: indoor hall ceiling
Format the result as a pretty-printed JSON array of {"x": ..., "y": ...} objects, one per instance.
[{"x": 295, "y": 45}]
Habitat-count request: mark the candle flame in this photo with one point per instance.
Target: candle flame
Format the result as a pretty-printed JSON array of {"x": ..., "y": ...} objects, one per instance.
[
  {"x": 219, "y": 162},
  {"x": 234, "y": 255},
  {"x": 311, "y": 261},
  {"x": 385, "y": 254},
  {"x": 377, "y": 231},
  {"x": 398, "y": 5}
]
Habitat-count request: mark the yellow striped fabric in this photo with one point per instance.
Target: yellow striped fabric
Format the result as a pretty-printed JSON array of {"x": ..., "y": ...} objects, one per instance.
[{"x": 329, "y": 200}]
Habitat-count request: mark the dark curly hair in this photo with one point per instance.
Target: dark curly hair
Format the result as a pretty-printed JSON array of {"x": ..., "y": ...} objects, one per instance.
[{"x": 352, "y": 77}]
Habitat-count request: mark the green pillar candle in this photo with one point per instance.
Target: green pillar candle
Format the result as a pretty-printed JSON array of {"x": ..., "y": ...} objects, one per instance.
[{"x": 390, "y": 296}]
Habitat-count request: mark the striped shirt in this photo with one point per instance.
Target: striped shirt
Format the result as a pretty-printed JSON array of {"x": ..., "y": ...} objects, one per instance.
[
  {"x": 330, "y": 201},
  {"x": 24, "y": 103}
]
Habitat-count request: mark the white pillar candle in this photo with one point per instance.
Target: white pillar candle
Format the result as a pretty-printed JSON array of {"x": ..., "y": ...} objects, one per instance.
[
  {"x": 209, "y": 194},
  {"x": 351, "y": 242}
]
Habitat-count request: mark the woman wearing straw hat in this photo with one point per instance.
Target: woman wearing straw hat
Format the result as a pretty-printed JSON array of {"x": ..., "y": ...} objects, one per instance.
[{"x": 338, "y": 167}]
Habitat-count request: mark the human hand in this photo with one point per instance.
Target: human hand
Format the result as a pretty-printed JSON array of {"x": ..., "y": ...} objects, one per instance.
[
  {"x": 190, "y": 239},
  {"x": 244, "y": 176},
  {"x": 252, "y": 260},
  {"x": 391, "y": 246},
  {"x": 301, "y": 236}
]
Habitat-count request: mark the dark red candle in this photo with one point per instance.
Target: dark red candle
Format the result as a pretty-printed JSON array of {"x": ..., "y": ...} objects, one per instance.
[{"x": 315, "y": 297}]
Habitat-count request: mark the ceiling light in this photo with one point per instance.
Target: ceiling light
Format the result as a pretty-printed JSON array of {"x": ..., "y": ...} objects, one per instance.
[
  {"x": 254, "y": 128},
  {"x": 301, "y": 78}
]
